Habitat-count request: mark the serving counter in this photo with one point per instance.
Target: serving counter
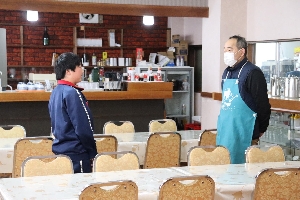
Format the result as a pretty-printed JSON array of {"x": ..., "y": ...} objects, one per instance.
[
  {"x": 141, "y": 103},
  {"x": 277, "y": 103}
]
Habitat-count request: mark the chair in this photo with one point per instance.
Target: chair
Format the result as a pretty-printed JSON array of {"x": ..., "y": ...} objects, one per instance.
[
  {"x": 106, "y": 143},
  {"x": 118, "y": 127},
  {"x": 202, "y": 188},
  {"x": 163, "y": 150},
  {"x": 277, "y": 184},
  {"x": 47, "y": 165},
  {"x": 162, "y": 125},
  {"x": 255, "y": 154},
  {"x": 30, "y": 146},
  {"x": 208, "y": 138},
  {"x": 104, "y": 162},
  {"x": 199, "y": 155},
  {"x": 125, "y": 190},
  {"x": 12, "y": 131}
]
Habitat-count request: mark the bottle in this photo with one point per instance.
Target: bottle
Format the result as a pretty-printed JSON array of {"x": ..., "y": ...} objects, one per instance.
[
  {"x": 183, "y": 110},
  {"x": 178, "y": 61},
  {"x": 182, "y": 61},
  {"x": 181, "y": 125},
  {"x": 185, "y": 85},
  {"x": 94, "y": 59},
  {"x": 46, "y": 37}
]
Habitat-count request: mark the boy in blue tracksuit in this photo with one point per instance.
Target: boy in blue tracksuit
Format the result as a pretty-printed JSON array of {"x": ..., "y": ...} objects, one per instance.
[{"x": 71, "y": 118}]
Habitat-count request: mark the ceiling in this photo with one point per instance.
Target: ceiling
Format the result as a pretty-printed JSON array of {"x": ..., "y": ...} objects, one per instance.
[{"x": 167, "y": 8}]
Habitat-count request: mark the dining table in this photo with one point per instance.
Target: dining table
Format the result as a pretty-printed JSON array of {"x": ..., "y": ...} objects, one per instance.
[
  {"x": 135, "y": 142},
  {"x": 232, "y": 182}
]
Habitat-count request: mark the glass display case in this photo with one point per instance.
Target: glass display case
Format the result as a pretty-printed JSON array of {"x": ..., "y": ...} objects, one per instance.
[
  {"x": 181, "y": 106},
  {"x": 284, "y": 130}
]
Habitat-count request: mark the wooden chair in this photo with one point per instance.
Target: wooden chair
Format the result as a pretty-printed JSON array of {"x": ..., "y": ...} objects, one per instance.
[
  {"x": 256, "y": 154},
  {"x": 104, "y": 162},
  {"x": 202, "y": 188},
  {"x": 163, "y": 150},
  {"x": 162, "y": 125},
  {"x": 47, "y": 165},
  {"x": 125, "y": 190},
  {"x": 278, "y": 184},
  {"x": 106, "y": 143},
  {"x": 199, "y": 155},
  {"x": 12, "y": 131},
  {"x": 208, "y": 138},
  {"x": 30, "y": 146},
  {"x": 118, "y": 127}
]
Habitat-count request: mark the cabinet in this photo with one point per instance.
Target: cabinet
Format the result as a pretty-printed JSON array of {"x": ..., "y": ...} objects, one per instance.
[
  {"x": 174, "y": 107},
  {"x": 282, "y": 131}
]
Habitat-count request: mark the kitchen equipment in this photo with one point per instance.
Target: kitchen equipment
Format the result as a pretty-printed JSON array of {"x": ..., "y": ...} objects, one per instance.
[
  {"x": 291, "y": 87},
  {"x": 275, "y": 86}
]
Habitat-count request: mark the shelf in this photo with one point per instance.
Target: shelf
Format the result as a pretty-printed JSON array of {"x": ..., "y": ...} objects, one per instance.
[
  {"x": 39, "y": 46},
  {"x": 93, "y": 47},
  {"x": 181, "y": 91},
  {"x": 29, "y": 66}
]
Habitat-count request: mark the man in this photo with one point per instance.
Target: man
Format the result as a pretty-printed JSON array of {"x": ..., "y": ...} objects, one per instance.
[
  {"x": 71, "y": 118},
  {"x": 245, "y": 109}
]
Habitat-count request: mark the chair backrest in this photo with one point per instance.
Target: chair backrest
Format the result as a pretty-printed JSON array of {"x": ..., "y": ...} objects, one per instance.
[
  {"x": 125, "y": 190},
  {"x": 161, "y": 125},
  {"x": 277, "y": 184},
  {"x": 208, "y": 138},
  {"x": 12, "y": 131},
  {"x": 104, "y": 162},
  {"x": 255, "y": 154},
  {"x": 163, "y": 150},
  {"x": 199, "y": 155},
  {"x": 202, "y": 187},
  {"x": 118, "y": 127},
  {"x": 106, "y": 143},
  {"x": 47, "y": 165},
  {"x": 30, "y": 146}
]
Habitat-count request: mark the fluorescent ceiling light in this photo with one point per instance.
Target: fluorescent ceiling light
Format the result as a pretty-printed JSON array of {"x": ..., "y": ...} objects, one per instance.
[
  {"x": 148, "y": 20},
  {"x": 32, "y": 16}
]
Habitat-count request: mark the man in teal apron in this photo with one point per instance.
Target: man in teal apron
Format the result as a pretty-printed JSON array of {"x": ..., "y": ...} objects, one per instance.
[{"x": 245, "y": 109}]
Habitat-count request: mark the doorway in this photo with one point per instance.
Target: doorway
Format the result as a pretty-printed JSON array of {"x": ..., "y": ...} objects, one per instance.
[{"x": 195, "y": 60}]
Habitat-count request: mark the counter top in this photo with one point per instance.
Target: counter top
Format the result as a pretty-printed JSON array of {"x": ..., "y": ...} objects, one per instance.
[
  {"x": 277, "y": 103},
  {"x": 135, "y": 90}
]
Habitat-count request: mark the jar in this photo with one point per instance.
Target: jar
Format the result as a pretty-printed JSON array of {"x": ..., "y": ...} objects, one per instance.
[
  {"x": 39, "y": 86},
  {"x": 22, "y": 86},
  {"x": 30, "y": 86}
]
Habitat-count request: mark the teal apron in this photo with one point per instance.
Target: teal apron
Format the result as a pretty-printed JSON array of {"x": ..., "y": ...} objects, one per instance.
[{"x": 235, "y": 122}]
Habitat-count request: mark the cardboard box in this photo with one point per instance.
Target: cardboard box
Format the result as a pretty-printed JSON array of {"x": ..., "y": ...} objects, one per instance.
[
  {"x": 175, "y": 41},
  {"x": 111, "y": 38},
  {"x": 169, "y": 54},
  {"x": 183, "y": 48}
]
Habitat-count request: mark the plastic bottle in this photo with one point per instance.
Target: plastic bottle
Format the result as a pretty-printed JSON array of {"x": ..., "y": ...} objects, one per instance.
[
  {"x": 178, "y": 61},
  {"x": 183, "y": 110},
  {"x": 182, "y": 61}
]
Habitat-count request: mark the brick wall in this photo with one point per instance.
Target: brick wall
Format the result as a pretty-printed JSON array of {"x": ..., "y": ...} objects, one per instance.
[{"x": 37, "y": 59}]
